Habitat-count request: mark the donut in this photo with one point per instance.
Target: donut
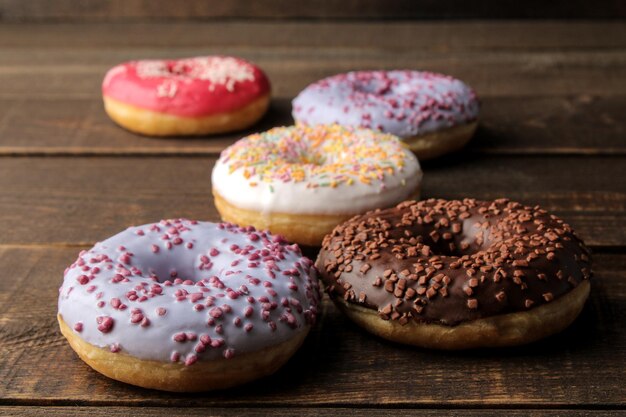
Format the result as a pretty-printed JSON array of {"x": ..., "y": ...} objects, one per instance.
[
  {"x": 433, "y": 113},
  {"x": 182, "y": 305},
  {"x": 191, "y": 96},
  {"x": 457, "y": 274},
  {"x": 301, "y": 181}
]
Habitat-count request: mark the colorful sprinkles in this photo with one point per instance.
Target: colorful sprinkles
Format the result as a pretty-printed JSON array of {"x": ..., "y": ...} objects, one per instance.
[{"x": 320, "y": 156}]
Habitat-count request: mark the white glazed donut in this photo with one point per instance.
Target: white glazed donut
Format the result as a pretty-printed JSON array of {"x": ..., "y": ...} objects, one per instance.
[
  {"x": 433, "y": 113},
  {"x": 188, "y": 306},
  {"x": 301, "y": 181}
]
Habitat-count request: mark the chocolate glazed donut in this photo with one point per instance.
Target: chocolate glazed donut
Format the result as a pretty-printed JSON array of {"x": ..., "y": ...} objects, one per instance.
[{"x": 457, "y": 274}]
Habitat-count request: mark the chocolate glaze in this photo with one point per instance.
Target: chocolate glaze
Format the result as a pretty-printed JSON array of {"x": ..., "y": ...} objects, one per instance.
[{"x": 449, "y": 262}]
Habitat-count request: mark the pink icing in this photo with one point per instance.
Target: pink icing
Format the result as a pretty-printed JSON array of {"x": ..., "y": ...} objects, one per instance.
[
  {"x": 233, "y": 290},
  {"x": 191, "y": 87}
]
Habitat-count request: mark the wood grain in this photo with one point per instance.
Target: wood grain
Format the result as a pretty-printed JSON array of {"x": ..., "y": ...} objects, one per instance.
[
  {"x": 583, "y": 124},
  {"x": 72, "y": 10},
  {"x": 82, "y": 200},
  {"x": 348, "y": 36},
  {"x": 552, "y": 132},
  {"x": 339, "y": 364},
  {"x": 51, "y": 74},
  {"x": 69, "y": 411},
  {"x": 497, "y": 59},
  {"x": 81, "y": 127}
]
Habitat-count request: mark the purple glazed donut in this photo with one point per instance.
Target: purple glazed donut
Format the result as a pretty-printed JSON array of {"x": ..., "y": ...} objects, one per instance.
[
  {"x": 182, "y": 305},
  {"x": 433, "y": 113}
]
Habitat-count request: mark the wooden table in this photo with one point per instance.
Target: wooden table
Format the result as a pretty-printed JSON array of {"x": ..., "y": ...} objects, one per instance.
[{"x": 553, "y": 132}]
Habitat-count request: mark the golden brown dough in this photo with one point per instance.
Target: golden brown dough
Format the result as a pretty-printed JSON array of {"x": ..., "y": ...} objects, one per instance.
[
  {"x": 498, "y": 331},
  {"x": 152, "y": 123},
  {"x": 435, "y": 144},
  {"x": 203, "y": 376},
  {"x": 305, "y": 229}
]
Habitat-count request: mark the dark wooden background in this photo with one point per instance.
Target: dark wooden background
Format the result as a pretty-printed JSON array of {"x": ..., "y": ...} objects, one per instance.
[
  {"x": 118, "y": 10},
  {"x": 552, "y": 79}
]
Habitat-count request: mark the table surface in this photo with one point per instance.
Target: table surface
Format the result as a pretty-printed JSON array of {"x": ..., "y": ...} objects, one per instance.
[{"x": 552, "y": 132}]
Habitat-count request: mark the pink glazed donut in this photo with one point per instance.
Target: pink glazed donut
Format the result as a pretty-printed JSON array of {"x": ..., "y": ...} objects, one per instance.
[
  {"x": 182, "y": 305},
  {"x": 432, "y": 113},
  {"x": 192, "y": 96}
]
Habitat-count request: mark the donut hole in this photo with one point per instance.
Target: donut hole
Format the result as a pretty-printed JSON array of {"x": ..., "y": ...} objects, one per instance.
[
  {"x": 333, "y": 162},
  {"x": 176, "y": 270},
  {"x": 442, "y": 248},
  {"x": 313, "y": 154},
  {"x": 313, "y": 158},
  {"x": 374, "y": 86},
  {"x": 169, "y": 265},
  {"x": 469, "y": 242},
  {"x": 178, "y": 68}
]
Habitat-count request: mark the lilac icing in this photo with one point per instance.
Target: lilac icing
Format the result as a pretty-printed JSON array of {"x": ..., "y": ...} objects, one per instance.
[
  {"x": 187, "y": 291},
  {"x": 403, "y": 103}
]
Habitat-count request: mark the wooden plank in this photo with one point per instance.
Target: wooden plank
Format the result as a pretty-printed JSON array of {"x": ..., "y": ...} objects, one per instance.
[
  {"x": 64, "y": 10},
  {"x": 70, "y": 73},
  {"x": 339, "y": 365},
  {"x": 534, "y": 125},
  {"x": 81, "y": 127},
  {"x": 581, "y": 124},
  {"x": 65, "y": 200},
  {"x": 69, "y": 411},
  {"x": 427, "y": 37}
]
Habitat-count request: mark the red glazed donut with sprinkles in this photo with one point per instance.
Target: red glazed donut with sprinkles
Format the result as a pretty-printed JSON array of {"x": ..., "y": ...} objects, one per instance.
[
  {"x": 457, "y": 274},
  {"x": 301, "y": 181},
  {"x": 182, "y": 305},
  {"x": 192, "y": 96},
  {"x": 433, "y": 113}
]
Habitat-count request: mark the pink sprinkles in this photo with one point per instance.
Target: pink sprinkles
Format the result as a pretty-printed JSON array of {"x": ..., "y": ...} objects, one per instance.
[
  {"x": 105, "y": 324},
  {"x": 403, "y": 103},
  {"x": 265, "y": 274}
]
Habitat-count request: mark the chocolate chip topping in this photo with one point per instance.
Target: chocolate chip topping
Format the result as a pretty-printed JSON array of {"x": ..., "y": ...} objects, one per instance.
[{"x": 450, "y": 262}]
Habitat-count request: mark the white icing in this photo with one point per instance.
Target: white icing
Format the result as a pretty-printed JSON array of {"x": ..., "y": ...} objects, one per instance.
[{"x": 273, "y": 195}]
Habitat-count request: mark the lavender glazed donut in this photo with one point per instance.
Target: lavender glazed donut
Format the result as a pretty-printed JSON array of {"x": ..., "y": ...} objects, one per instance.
[
  {"x": 182, "y": 305},
  {"x": 457, "y": 274},
  {"x": 433, "y": 113}
]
